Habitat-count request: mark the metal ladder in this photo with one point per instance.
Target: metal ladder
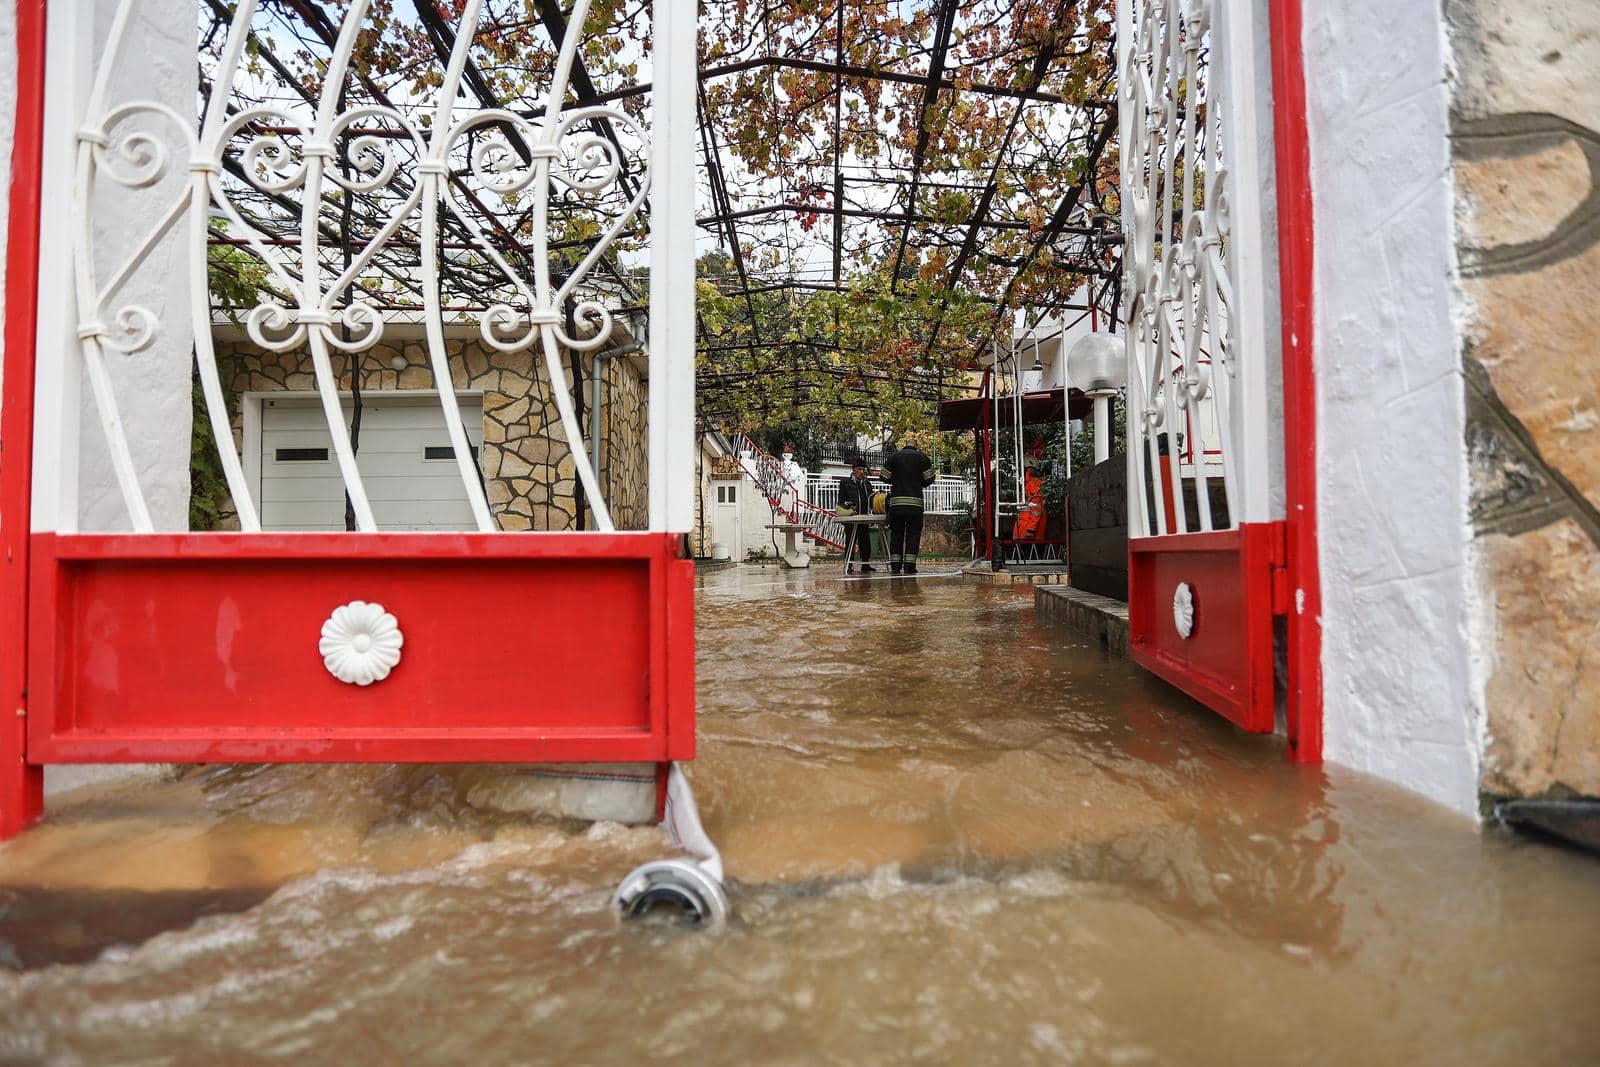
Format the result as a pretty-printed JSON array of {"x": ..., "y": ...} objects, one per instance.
[{"x": 761, "y": 467}]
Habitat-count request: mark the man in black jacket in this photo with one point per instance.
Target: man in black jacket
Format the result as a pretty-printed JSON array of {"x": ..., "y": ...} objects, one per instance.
[
  {"x": 908, "y": 472},
  {"x": 855, "y": 498}
]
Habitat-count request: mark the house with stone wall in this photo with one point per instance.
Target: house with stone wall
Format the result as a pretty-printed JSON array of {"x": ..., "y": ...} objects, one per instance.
[{"x": 511, "y": 417}]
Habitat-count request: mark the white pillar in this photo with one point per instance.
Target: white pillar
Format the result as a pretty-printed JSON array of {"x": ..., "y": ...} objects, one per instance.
[
  {"x": 672, "y": 240},
  {"x": 1102, "y": 428}
]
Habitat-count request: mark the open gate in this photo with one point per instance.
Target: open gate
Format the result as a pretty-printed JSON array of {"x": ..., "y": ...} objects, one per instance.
[
  {"x": 157, "y": 646},
  {"x": 1207, "y": 219}
]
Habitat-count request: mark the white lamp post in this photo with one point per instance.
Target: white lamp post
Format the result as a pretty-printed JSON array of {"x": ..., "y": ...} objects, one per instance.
[{"x": 1097, "y": 365}]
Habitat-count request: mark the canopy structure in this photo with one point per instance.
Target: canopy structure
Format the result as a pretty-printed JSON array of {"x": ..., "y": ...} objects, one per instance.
[
  {"x": 1044, "y": 406},
  {"x": 882, "y": 184},
  {"x": 886, "y": 184}
]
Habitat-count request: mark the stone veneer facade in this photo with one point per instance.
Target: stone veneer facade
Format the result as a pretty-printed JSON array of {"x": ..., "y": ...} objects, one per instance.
[
  {"x": 528, "y": 468},
  {"x": 1526, "y": 150}
]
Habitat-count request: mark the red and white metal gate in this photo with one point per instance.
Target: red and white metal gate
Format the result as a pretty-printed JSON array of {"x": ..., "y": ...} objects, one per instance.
[
  {"x": 154, "y": 646},
  {"x": 1204, "y": 87}
]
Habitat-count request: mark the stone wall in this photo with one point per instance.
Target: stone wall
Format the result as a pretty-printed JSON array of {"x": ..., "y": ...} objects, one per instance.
[
  {"x": 1525, "y": 132},
  {"x": 1097, "y": 549},
  {"x": 625, "y": 440},
  {"x": 946, "y": 535},
  {"x": 708, "y": 464},
  {"x": 700, "y": 536},
  {"x": 528, "y": 470}
]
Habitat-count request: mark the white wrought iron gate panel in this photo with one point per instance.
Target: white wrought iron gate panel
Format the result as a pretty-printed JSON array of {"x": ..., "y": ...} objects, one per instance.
[
  {"x": 420, "y": 162},
  {"x": 169, "y": 645},
  {"x": 1200, "y": 310}
]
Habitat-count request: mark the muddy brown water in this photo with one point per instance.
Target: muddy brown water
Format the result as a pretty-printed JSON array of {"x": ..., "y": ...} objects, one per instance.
[{"x": 954, "y": 836}]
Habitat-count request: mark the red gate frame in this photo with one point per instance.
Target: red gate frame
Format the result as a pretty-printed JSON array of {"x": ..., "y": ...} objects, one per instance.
[
  {"x": 199, "y": 648},
  {"x": 1226, "y": 662},
  {"x": 21, "y": 783},
  {"x": 203, "y": 647},
  {"x": 1296, "y": 264},
  {"x": 1247, "y": 576}
]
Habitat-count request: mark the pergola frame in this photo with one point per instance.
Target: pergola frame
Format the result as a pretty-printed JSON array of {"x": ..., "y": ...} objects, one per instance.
[{"x": 1072, "y": 242}]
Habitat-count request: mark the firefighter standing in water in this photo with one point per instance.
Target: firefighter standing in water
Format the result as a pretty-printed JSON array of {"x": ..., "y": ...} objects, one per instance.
[{"x": 908, "y": 472}]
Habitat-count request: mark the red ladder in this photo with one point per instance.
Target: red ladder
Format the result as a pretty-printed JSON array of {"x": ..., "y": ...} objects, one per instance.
[{"x": 764, "y": 469}]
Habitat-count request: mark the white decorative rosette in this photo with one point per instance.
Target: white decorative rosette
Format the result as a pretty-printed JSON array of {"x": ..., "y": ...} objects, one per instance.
[
  {"x": 360, "y": 643},
  {"x": 1183, "y": 610}
]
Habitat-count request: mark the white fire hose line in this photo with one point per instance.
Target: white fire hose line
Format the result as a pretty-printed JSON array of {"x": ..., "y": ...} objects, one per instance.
[{"x": 682, "y": 820}]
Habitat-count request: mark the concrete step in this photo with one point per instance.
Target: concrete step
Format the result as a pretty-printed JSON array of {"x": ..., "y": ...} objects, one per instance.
[{"x": 1091, "y": 614}]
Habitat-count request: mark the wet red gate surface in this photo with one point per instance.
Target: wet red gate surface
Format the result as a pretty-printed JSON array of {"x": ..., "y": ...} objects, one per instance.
[
  {"x": 204, "y": 647},
  {"x": 1234, "y": 583},
  {"x": 157, "y": 647},
  {"x": 1209, "y": 608}
]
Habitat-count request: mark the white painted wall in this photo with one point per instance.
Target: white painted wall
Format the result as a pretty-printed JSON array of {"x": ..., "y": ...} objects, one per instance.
[
  {"x": 153, "y": 385},
  {"x": 73, "y": 480},
  {"x": 157, "y": 380},
  {"x": 755, "y": 515},
  {"x": 726, "y": 520},
  {"x": 1400, "y": 700},
  {"x": 1051, "y": 338}
]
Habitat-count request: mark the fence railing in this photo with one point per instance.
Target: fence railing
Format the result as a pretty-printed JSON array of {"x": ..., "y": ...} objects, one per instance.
[
  {"x": 846, "y": 454},
  {"x": 944, "y": 497}
]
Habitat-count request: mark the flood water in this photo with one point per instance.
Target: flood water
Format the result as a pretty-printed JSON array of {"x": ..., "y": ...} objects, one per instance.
[{"x": 953, "y": 835}]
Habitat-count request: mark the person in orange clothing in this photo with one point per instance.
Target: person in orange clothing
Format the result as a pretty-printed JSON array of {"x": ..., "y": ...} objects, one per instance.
[{"x": 1031, "y": 518}]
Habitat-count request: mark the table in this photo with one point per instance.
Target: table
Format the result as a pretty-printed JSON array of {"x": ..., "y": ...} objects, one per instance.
[{"x": 854, "y": 525}]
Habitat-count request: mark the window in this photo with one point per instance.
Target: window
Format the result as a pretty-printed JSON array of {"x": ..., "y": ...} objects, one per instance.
[
  {"x": 300, "y": 455},
  {"x": 446, "y": 452}
]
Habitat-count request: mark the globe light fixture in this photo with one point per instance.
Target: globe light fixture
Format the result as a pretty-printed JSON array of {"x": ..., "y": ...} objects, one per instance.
[{"x": 1098, "y": 365}]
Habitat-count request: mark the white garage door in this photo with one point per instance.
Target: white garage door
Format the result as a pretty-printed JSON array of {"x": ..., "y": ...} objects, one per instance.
[{"x": 404, "y": 457}]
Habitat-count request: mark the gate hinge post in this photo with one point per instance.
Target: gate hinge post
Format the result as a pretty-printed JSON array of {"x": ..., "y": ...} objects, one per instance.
[{"x": 1279, "y": 567}]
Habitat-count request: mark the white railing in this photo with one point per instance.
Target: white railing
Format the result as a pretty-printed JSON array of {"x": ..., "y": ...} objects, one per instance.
[
  {"x": 947, "y": 496},
  {"x": 1190, "y": 83},
  {"x": 428, "y": 159}
]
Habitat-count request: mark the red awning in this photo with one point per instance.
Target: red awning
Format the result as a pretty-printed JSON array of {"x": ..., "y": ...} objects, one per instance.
[{"x": 1040, "y": 407}]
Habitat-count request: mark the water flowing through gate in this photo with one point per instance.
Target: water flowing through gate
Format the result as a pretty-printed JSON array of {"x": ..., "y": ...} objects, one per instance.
[
  {"x": 1205, "y": 448},
  {"x": 162, "y": 645}
]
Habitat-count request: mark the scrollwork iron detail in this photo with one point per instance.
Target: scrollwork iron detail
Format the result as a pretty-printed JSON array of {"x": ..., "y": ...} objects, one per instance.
[
  {"x": 369, "y": 149},
  {"x": 1178, "y": 219}
]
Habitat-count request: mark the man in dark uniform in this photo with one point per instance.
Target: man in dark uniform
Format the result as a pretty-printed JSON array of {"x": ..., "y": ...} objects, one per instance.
[
  {"x": 855, "y": 498},
  {"x": 908, "y": 472}
]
